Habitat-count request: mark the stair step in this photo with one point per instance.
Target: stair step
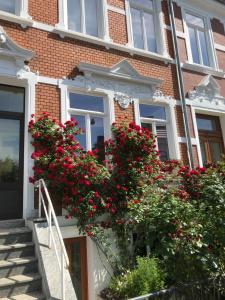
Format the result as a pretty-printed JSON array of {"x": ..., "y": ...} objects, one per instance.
[
  {"x": 16, "y": 250},
  {"x": 12, "y": 223},
  {"x": 30, "y": 296},
  {"x": 16, "y": 266},
  {"x": 15, "y": 235},
  {"x": 19, "y": 284}
]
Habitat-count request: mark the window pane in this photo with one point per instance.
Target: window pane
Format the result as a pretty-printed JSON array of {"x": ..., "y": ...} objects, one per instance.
[
  {"x": 152, "y": 111},
  {"x": 215, "y": 151},
  {"x": 197, "y": 21},
  {"x": 97, "y": 133},
  {"x": 203, "y": 152},
  {"x": 150, "y": 32},
  {"x": 82, "y": 137},
  {"x": 8, "y": 6},
  {"x": 203, "y": 45},
  {"x": 11, "y": 99},
  {"x": 86, "y": 102},
  {"x": 91, "y": 18},
  {"x": 144, "y": 3},
  {"x": 74, "y": 15},
  {"x": 137, "y": 28},
  {"x": 194, "y": 46},
  {"x": 162, "y": 142},
  {"x": 206, "y": 124}
]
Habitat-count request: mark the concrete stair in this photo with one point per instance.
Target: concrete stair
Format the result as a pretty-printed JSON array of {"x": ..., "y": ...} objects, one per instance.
[{"x": 19, "y": 277}]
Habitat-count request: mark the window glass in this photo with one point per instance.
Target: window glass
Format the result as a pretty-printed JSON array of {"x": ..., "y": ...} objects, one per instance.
[
  {"x": 194, "y": 20},
  {"x": 97, "y": 133},
  {"x": 11, "y": 99},
  {"x": 8, "y": 6},
  {"x": 82, "y": 124},
  {"x": 203, "y": 152},
  {"x": 86, "y": 102},
  {"x": 206, "y": 124},
  {"x": 137, "y": 28},
  {"x": 194, "y": 46},
  {"x": 74, "y": 15},
  {"x": 150, "y": 32},
  {"x": 215, "y": 151},
  {"x": 162, "y": 142},
  {"x": 145, "y": 3},
  {"x": 204, "y": 50},
  {"x": 152, "y": 111},
  {"x": 147, "y": 125},
  {"x": 91, "y": 18}
]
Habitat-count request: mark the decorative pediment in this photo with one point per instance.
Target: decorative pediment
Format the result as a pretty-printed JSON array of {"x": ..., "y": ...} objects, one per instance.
[
  {"x": 122, "y": 70},
  {"x": 9, "y": 48},
  {"x": 207, "y": 94}
]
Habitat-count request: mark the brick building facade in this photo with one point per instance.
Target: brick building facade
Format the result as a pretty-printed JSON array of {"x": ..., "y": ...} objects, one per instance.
[{"x": 112, "y": 60}]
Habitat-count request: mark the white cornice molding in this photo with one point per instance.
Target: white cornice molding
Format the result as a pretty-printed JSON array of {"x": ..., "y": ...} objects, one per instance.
[
  {"x": 23, "y": 19},
  {"x": 121, "y": 71},
  {"x": 10, "y": 49}
]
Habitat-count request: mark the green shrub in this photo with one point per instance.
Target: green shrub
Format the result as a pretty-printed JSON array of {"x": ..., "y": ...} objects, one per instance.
[{"x": 145, "y": 278}]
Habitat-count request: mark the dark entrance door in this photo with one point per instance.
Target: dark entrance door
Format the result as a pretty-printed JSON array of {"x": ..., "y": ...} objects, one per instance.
[
  {"x": 211, "y": 138},
  {"x": 11, "y": 152}
]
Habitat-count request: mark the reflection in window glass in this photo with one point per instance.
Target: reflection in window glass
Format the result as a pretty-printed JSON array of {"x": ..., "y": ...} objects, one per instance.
[
  {"x": 194, "y": 20},
  {"x": 11, "y": 99},
  {"x": 74, "y": 15},
  {"x": 81, "y": 123},
  {"x": 91, "y": 18},
  {"x": 86, "y": 102},
  {"x": 204, "y": 50},
  {"x": 152, "y": 111},
  {"x": 194, "y": 46},
  {"x": 162, "y": 142},
  {"x": 206, "y": 124},
  {"x": 137, "y": 28},
  {"x": 150, "y": 32},
  {"x": 147, "y": 125},
  {"x": 97, "y": 133},
  {"x": 215, "y": 151},
  {"x": 8, "y": 6}
]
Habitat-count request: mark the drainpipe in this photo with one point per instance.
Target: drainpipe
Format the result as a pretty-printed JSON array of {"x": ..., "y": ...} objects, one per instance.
[{"x": 181, "y": 85}]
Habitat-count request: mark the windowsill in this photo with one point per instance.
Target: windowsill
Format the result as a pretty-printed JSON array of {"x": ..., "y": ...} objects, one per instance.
[
  {"x": 110, "y": 45},
  {"x": 203, "y": 69},
  {"x": 23, "y": 21}
]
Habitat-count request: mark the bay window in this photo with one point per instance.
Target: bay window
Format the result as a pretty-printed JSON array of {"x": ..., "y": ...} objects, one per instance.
[
  {"x": 143, "y": 24},
  {"x": 154, "y": 118},
  {"x": 198, "y": 39},
  {"x": 84, "y": 16},
  {"x": 90, "y": 113}
]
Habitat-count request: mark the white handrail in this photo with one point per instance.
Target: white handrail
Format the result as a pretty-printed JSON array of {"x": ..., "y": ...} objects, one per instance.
[{"x": 62, "y": 257}]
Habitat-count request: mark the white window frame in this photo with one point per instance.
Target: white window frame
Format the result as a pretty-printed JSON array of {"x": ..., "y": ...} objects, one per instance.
[
  {"x": 87, "y": 113},
  {"x": 103, "y": 31},
  {"x": 209, "y": 38},
  {"x": 158, "y": 22}
]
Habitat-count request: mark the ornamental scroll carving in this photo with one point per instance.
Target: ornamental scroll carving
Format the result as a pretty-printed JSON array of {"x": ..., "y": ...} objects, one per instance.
[{"x": 123, "y": 100}]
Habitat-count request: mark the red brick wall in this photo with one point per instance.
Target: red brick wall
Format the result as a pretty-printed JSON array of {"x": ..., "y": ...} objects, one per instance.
[
  {"x": 218, "y": 31},
  {"x": 117, "y": 3},
  {"x": 47, "y": 13},
  {"x": 117, "y": 28}
]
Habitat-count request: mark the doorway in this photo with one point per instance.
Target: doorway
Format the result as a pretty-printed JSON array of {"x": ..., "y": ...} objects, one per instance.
[
  {"x": 11, "y": 151},
  {"x": 77, "y": 252},
  {"x": 210, "y": 137}
]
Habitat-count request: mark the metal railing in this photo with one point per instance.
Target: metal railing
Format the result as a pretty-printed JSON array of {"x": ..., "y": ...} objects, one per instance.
[{"x": 62, "y": 257}]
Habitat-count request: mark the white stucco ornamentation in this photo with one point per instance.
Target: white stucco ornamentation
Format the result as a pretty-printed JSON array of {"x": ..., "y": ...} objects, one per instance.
[
  {"x": 159, "y": 96},
  {"x": 207, "y": 95},
  {"x": 123, "y": 100},
  {"x": 2, "y": 38}
]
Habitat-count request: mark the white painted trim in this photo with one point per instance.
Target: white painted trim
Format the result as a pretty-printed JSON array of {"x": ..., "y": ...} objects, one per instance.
[
  {"x": 181, "y": 34},
  {"x": 196, "y": 136},
  {"x": 219, "y": 47},
  {"x": 116, "y": 9},
  {"x": 203, "y": 69},
  {"x": 47, "y": 80},
  {"x": 183, "y": 140},
  {"x": 21, "y": 15}
]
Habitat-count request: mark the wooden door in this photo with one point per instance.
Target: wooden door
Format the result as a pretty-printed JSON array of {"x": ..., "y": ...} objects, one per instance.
[
  {"x": 211, "y": 138},
  {"x": 77, "y": 253}
]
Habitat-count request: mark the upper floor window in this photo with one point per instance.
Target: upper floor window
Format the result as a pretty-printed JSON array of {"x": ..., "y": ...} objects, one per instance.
[
  {"x": 90, "y": 113},
  {"x": 199, "y": 39},
  {"x": 83, "y": 16},
  {"x": 143, "y": 24},
  {"x": 8, "y": 6},
  {"x": 154, "y": 118}
]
